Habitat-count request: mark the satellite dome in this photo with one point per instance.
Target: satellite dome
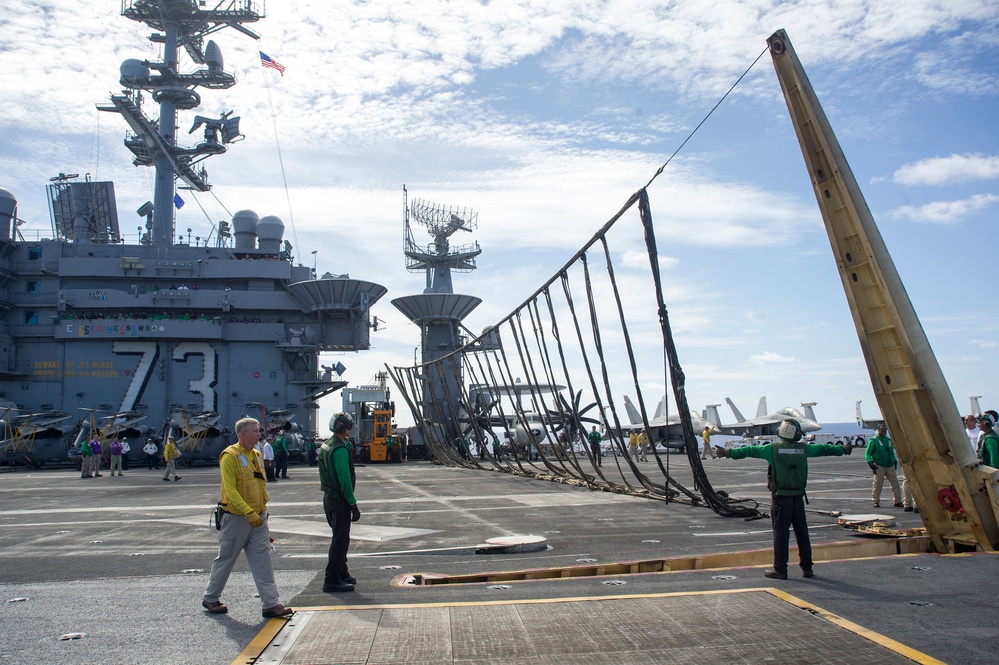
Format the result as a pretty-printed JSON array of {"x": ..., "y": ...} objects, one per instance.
[
  {"x": 270, "y": 228},
  {"x": 8, "y": 202},
  {"x": 133, "y": 69},
  {"x": 245, "y": 221}
]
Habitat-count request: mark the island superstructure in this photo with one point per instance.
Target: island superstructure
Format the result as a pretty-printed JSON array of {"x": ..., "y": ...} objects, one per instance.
[{"x": 191, "y": 334}]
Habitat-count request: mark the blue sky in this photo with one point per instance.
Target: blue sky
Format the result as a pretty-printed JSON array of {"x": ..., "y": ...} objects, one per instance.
[{"x": 544, "y": 117}]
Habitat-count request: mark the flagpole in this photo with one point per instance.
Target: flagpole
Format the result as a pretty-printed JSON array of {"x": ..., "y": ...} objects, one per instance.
[{"x": 277, "y": 142}]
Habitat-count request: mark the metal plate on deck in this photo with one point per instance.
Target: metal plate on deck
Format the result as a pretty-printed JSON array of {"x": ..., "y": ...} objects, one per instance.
[
  {"x": 867, "y": 518},
  {"x": 711, "y": 627}
]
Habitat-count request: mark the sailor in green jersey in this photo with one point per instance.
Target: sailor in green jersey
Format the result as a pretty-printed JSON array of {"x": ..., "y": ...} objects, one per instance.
[
  {"x": 390, "y": 449},
  {"x": 337, "y": 480},
  {"x": 594, "y": 438},
  {"x": 988, "y": 442},
  {"x": 880, "y": 456},
  {"x": 280, "y": 446},
  {"x": 86, "y": 455},
  {"x": 786, "y": 480}
]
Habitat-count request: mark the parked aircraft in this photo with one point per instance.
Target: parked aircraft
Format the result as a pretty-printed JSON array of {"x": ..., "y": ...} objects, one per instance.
[
  {"x": 34, "y": 438},
  {"x": 666, "y": 431},
  {"x": 764, "y": 424},
  {"x": 868, "y": 424},
  {"x": 518, "y": 422}
]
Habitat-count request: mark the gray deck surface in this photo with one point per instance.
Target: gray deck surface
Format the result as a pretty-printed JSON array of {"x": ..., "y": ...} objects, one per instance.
[
  {"x": 124, "y": 561},
  {"x": 611, "y": 631}
]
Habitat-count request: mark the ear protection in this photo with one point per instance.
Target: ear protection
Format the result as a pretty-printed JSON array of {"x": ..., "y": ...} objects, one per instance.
[
  {"x": 789, "y": 429},
  {"x": 341, "y": 422}
]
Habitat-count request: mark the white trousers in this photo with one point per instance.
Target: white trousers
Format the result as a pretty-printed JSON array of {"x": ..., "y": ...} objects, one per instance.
[{"x": 879, "y": 481}]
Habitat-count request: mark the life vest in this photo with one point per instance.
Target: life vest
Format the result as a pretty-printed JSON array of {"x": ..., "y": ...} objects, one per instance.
[
  {"x": 250, "y": 482},
  {"x": 333, "y": 444},
  {"x": 788, "y": 473}
]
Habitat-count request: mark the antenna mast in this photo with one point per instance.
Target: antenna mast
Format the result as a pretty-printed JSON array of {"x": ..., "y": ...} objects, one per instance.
[{"x": 179, "y": 24}]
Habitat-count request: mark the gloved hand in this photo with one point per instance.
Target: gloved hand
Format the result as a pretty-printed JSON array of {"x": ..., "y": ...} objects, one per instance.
[
  {"x": 848, "y": 448},
  {"x": 723, "y": 451},
  {"x": 355, "y": 513},
  {"x": 874, "y": 467},
  {"x": 255, "y": 520}
]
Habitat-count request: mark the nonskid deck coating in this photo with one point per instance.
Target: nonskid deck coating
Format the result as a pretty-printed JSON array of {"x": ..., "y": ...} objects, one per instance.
[{"x": 744, "y": 626}]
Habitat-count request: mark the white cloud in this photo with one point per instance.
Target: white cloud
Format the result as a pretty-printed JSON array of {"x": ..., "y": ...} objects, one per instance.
[
  {"x": 945, "y": 212},
  {"x": 640, "y": 260},
  {"x": 948, "y": 170},
  {"x": 983, "y": 343},
  {"x": 770, "y": 357}
]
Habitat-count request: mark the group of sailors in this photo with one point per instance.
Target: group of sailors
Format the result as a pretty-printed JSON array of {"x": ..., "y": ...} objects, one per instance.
[
  {"x": 92, "y": 452},
  {"x": 983, "y": 437}
]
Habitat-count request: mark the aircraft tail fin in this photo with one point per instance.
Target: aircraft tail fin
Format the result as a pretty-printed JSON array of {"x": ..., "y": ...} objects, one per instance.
[
  {"x": 633, "y": 414},
  {"x": 735, "y": 410},
  {"x": 761, "y": 408},
  {"x": 976, "y": 408},
  {"x": 809, "y": 412},
  {"x": 711, "y": 414},
  {"x": 660, "y": 409},
  {"x": 860, "y": 417}
]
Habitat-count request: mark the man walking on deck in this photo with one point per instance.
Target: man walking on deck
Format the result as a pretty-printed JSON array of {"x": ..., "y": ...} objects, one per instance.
[
  {"x": 706, "y": 435},
  {"x": 881, "y": 458},
  {"x": 787, "y": 477},
  {"x": 243, "y": 527},
  {"x": 170, "y": 455}
]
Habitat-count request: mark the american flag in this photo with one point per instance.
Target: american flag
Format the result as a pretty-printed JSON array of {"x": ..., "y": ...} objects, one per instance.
[{"x": 267, "y": 61}]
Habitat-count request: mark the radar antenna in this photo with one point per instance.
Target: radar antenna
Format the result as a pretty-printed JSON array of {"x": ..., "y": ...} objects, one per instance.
[{"x": 438, "y": 258}]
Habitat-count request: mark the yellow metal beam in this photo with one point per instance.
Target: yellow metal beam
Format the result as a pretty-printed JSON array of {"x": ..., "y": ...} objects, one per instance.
[{"x": 955, "y": 493}]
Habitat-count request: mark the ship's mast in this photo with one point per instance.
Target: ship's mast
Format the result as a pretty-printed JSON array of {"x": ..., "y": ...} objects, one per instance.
[
  {"x": 439, "y": 310},
  {"x": 179, "y": 23}
]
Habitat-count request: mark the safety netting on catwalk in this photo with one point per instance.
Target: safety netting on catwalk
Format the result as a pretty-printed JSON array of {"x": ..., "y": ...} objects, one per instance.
[{"x": 527, "y": 395}]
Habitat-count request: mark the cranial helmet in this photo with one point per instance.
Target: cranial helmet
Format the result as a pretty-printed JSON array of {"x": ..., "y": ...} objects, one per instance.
[
  {"x": 341, "y": 422},
  {"x": 789, "y": 429}
]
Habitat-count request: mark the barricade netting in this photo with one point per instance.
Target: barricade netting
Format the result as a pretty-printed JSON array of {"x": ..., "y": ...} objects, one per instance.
[{"x": 526, "y": 392}]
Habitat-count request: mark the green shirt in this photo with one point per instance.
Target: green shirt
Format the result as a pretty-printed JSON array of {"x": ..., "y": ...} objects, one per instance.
[
  {"x": 988, "y": 448},
  {"x": 767, "y": 451},
  {"x": 594, "y": 437},
  {"x": 280, "y": 444},
  {"x": 880, "y": 451},
  {"x": 336, "y": 469}
]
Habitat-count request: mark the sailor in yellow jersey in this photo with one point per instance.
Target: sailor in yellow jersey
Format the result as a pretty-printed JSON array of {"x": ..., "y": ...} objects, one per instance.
[
  {"x": 243, "y": 526},
  {"x": 171, "y": 454}
]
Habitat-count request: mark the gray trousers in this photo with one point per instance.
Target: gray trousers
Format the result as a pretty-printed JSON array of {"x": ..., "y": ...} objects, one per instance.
[
  {"x": 171, "y": 467},
  {"x": 238, "y": 536}
]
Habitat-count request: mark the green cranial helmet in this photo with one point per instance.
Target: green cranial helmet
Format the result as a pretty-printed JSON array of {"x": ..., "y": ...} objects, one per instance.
[
  {"x": 789, "y": 429},
  {"x": 341, "y": 422}
]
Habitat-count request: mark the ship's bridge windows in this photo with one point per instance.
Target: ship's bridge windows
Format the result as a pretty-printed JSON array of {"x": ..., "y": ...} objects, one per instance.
[
  {"x": 31, "y": 317},
  {"x": 31, "y": 287},
  {"x": 34, "y": 253}
]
